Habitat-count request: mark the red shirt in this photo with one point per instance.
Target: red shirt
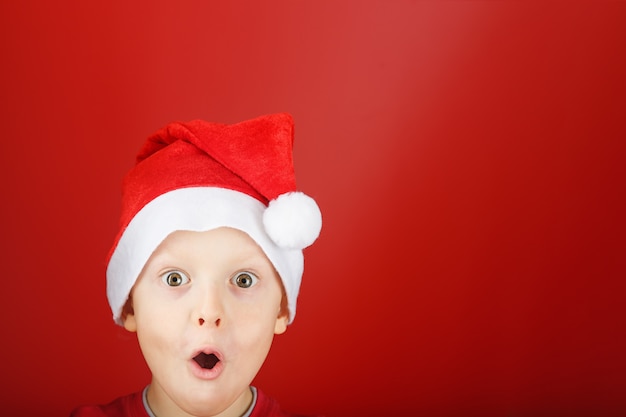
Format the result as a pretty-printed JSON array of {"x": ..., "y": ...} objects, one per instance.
[{"x": 132, "y": 406}]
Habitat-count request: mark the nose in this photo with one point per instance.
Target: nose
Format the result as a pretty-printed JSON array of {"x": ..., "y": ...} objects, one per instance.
[
  {"x": 217, "y": 321},
  {"x": 210, "y": 309}
]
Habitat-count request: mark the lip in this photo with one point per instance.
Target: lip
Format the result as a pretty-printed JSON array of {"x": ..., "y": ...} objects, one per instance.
[{"x": 205, "y": 373}]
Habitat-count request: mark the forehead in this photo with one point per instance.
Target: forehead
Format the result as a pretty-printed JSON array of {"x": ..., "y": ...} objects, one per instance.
[
  {"x": 222, "y": 238},
  {"x": 222, "y": 248}
]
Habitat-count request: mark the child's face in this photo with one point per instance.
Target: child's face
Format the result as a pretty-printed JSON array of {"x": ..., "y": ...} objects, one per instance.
[{"x": 205, "y": 308}]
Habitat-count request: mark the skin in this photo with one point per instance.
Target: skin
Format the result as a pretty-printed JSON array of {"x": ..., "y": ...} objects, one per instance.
[{"x": 212, "y": 291}]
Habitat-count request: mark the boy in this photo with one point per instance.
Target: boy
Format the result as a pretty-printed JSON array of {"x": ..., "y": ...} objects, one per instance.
[{"x": 207, "y": 265}]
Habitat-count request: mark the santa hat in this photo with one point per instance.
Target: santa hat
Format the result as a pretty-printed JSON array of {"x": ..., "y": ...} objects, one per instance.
[{"x": 199, "y": 176}]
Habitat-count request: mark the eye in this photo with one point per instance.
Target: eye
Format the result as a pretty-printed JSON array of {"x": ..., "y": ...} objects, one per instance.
[
  {"x": 175, "y": 278},
  {"x": 244, "y": 279}
]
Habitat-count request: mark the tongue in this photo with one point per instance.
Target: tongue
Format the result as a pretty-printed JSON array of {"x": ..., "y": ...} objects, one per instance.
[{"x": 206, "y": 361}]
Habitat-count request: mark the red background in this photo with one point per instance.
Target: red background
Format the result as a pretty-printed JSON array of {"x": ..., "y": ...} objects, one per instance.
[{"x": 468, "y": 157}]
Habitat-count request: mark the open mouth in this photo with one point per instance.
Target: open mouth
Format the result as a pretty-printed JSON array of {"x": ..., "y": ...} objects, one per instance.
[{"x": 206, "y": 361}]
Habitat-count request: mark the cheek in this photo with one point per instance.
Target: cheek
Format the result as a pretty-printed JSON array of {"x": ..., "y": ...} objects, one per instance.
[
  {"x": 159, "y": 328},
  {"x": 253, "y": 324},
  {"x": 162, "y": 344},
  {"x": 258, "y": 319},
  {"x": 253, "y": 346},
  {"x": 265, "y": 295}
]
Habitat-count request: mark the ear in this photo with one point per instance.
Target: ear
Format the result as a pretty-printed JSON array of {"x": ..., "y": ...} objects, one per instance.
[
  {"x": 128, "y": 315},
  {"x": 130, "y": 323},
  {"x": 281, "y": 322}
]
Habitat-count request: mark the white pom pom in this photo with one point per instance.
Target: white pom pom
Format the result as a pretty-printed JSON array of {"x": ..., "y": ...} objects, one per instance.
[{"x": 293, "y": 220}]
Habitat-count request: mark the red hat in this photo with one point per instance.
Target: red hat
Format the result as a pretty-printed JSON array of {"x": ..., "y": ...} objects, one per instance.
[{"x": 199, "y": 176}]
